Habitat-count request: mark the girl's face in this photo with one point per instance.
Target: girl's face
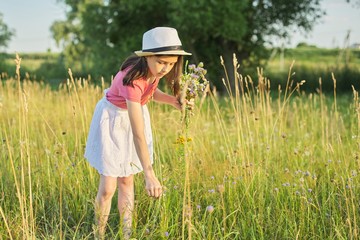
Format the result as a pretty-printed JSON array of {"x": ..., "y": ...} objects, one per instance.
[{"x": 159, "y": 66}]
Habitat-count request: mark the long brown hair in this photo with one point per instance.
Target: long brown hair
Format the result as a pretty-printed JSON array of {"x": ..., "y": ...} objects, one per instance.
[{"x": 139, "y": 69}]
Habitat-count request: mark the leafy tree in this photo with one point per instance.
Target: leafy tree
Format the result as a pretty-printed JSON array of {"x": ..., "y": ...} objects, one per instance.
[
  {"x": 305, "y": 45},
  {"x": 5, "y": 33},
  {"x": 99, "y": 34}
]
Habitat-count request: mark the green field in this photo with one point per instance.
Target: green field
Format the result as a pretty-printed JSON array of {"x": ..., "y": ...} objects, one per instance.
[
  {"x": 314, "y": 65},
  {"x": 311, "y": 64},
  {"x": 283, "y": 165}
]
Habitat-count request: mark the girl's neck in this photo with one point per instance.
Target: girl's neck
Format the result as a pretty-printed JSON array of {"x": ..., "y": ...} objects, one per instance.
[{"x": 150, "y": 78}]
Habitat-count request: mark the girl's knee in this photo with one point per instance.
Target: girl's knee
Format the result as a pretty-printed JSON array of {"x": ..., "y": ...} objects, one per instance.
[
  {"x": 106, "y": 192},
  {"x": 126, "y": 182},
  {"x": 107, "y": 187}
]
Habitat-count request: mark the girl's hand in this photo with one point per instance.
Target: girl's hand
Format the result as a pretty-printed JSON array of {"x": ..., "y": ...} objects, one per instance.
[
  {"x": 178, "y": 102},
  {"x": 184, "y": 103},
  {"x": 153, "y": 186}
]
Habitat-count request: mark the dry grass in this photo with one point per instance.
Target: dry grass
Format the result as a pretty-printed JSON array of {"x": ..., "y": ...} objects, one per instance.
[{"x": 263, "y": 164}]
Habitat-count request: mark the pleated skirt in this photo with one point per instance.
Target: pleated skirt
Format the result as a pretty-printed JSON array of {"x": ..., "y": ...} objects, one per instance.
[{"x": 110, "y": 145}]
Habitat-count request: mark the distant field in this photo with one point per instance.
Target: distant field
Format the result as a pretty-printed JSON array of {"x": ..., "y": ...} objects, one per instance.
[
  {"x": 46, "y": 67},
  {"x": 316, "y": 57},
  {"x": 30, "y": 61},
  {"x": 314, "y": 64},
  {"x": 311, "y": 63}
]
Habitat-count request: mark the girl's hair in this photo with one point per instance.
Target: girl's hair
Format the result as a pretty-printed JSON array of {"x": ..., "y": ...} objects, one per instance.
[{"x": 139, "y": 69}]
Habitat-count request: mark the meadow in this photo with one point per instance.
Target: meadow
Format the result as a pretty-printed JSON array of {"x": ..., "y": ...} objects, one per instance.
[
  {"x": 311, "y": 64},
  {"x": 257, "y": 163}
]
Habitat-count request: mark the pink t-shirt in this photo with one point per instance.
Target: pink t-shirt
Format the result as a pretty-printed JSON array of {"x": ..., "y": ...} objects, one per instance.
[{"x": 141, "y": 92}]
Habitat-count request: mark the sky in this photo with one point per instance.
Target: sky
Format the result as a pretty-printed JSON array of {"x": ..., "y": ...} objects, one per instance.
[{"x": 31, "y": 20}]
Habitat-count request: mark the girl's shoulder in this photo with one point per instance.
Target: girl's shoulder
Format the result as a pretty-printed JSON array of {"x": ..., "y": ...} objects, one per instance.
[
  {"x": 122, "y": 73},
  {"x": 118, "y": 79}
]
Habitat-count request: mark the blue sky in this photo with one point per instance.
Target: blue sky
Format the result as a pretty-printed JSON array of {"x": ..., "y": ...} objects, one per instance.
[{"x": 32, "y": 19}]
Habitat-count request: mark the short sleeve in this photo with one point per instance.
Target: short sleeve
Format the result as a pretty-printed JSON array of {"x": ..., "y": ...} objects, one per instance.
[{"x": 133, "y": 93}]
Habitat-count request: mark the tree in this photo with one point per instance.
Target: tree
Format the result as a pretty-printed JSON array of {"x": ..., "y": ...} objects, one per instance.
[
  {"x": 356, "y": 3},
  {"x": 5, "y": 33},
  {"x": 100, "y": 33}
]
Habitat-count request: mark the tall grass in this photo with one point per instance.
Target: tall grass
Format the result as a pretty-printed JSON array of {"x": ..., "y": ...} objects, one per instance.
[{"x": 264, "y": 164}]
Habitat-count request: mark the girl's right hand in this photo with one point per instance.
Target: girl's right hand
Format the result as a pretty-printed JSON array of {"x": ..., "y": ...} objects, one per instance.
[
  {"x": 153, "y": 186},
  {"x": 181, "y": 104}
]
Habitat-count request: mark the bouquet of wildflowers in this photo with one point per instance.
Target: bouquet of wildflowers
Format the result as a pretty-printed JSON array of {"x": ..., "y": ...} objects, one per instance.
[{"x": 192, "y": 84}]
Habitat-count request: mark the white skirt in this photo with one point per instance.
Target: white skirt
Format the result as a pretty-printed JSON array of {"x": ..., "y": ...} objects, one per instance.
[{"x": 110, "y": 146}]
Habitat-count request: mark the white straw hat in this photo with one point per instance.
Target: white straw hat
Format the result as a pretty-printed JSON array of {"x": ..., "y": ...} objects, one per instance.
[{"x": 161, "y": 41}]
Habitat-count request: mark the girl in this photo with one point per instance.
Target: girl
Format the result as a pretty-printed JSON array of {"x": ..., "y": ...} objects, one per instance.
[{"x": 120, "y": 143}]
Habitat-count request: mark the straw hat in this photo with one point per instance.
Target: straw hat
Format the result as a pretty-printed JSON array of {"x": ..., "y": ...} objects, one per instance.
[{"x": 161, "y": 41}]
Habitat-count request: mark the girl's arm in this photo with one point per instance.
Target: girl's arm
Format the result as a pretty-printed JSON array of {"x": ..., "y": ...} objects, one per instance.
[
  {"x": 153, "y": 186},
  {"x": 160, "y": 96}
]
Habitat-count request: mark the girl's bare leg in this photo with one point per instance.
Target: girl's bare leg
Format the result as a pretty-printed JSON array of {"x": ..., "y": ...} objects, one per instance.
[
  {"x": 126, "y": 203},
  {"x": 107, "y": 188}
]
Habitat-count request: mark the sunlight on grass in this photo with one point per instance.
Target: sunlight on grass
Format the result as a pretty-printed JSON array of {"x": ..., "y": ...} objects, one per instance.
[{"x": 265, "y": 164}]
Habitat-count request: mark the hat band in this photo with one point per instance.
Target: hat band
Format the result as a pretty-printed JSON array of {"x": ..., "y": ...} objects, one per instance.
[{"x": 162, "y": 49}]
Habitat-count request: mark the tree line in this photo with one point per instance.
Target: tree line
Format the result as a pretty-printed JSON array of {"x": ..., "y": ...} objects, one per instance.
[{"x": 98, "y": 35}]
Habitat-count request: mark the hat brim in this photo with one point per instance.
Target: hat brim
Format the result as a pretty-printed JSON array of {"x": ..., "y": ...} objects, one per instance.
[{"x": 171, "y": 52}]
